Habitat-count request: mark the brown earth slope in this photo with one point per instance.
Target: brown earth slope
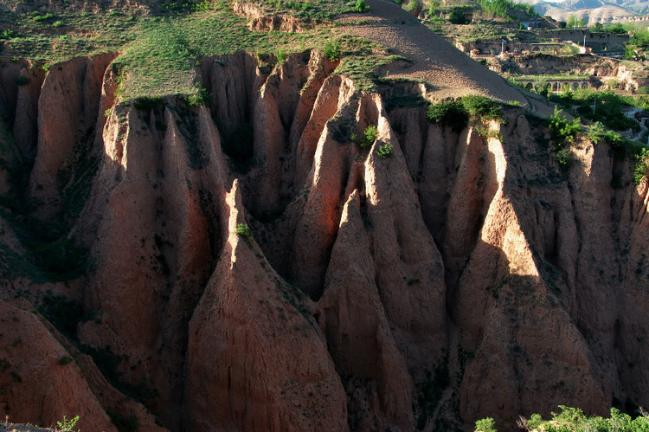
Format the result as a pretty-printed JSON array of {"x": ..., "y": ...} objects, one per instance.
[
  {"x": 434, "y": 59},
  {"x": 246, "y": 265}
]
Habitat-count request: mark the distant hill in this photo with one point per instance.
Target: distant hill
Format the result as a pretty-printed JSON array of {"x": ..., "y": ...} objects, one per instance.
[{"x": 592, "y": 11}]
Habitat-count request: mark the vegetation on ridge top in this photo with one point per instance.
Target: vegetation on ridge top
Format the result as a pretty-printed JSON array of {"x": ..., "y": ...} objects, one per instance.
[
  {"x": 160, "y": 54},
  {"x": 312, "y": 10},
  {"x": 574, "y": 420}
]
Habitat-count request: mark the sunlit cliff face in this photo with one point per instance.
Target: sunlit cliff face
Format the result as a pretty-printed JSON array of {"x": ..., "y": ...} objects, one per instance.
[{"x": 251, "y": 264}]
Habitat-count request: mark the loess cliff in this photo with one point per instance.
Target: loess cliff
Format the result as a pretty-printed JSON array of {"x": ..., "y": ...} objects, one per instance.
[{"x": 246, "y": 264}]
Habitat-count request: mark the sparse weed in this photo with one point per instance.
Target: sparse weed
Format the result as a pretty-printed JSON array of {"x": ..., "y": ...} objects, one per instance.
[
  {"x": 198, "y": 98},
  {"x": 281, "y": 56},
  {"x": 202, "y": 6},
  {"x": 67, "y": 425},
  {"x": 44, "y": 17},
  {"x": 7, "y": 34}
]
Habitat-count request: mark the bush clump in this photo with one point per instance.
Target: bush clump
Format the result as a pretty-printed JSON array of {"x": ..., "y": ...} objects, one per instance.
[
  {"x": 562, "y": 129},
  {"x": 563, "y": 132},
  {"x": 456, "y": 112},
  {"x": 369, "y": 136},
  {"x": 7, "y": 34},
  {"x": 563, "y": 157},
  {"x": 506, "y": 9},
  {"x": 597, "y": 133},
  {"x": 606, "y": 107},
  {"x": 385, "y": 151},
  {"x": 67, "y": 425},
  {"x": 449, "y": 112},
  {"x": 480, "y": 106},
  {"x": 574, "y": 420},
  {"x": 332, "y": 50},
  {"x": 641, "y": 165},
  {"x": 197, "y": 99},
  {"x": 243, "y": 230},
  {"x": 485, "y": 425},
  {"x": 457, "y": 16},
  {"x": 360, "y": 6}
]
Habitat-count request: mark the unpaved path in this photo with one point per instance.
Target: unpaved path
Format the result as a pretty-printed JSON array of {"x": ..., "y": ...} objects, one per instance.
[{"x": 450, "y": 72}]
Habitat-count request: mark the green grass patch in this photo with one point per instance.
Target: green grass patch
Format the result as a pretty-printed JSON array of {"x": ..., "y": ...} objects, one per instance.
[
  {"x": 160, "y": 54},
  {"x": 360, "y": 61},
  {"x": 313, "y": 10},
  {"x": 49, "y": 38}
]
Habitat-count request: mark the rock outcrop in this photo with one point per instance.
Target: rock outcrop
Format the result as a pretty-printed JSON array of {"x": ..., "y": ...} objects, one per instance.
[
  {"x": 253, "y": 264},
  {"x": 263, "y": 20}
]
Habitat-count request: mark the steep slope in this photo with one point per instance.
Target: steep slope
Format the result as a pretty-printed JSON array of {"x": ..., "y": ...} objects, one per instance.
[
  {"x": 251, "y": 266},
  {"x": 434, "y": 59}
]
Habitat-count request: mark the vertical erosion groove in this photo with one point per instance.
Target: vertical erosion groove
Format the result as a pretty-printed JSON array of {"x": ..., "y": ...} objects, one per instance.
[{"x": 297, "y": 255}]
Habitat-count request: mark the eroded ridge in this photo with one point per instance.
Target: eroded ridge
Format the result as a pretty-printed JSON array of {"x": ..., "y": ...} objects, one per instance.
[{"x": 257, "y": 263}]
